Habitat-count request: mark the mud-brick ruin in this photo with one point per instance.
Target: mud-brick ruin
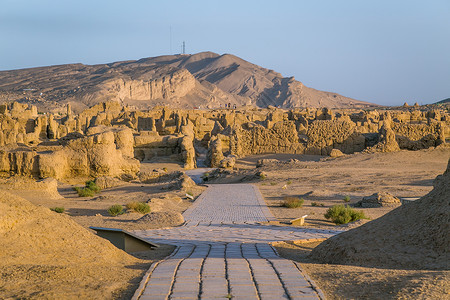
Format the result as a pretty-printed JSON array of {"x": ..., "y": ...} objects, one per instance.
[{"x": 109, "y": 139}]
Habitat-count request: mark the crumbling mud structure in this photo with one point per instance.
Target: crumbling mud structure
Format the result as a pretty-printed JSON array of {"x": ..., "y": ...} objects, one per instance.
[{"x": 109, "y": 139}]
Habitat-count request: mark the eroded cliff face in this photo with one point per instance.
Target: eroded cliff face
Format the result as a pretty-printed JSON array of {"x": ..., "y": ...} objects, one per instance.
[{"x": 174, "y": 85}]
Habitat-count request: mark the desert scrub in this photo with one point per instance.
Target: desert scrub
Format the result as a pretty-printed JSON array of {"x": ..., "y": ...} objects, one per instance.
[
  {"x": 115, "y": 210},
  {"x": 292, "y": 202},
  {"x": 317, "y": 204},
  {"x": 343, "y": 214},
  {"x": 205, "y": 176},
  {"x": 289, "y": 182},
  {"x": 89, "y": 190},
  {"x": 346, "y": 199},
  {"x": 59, "y": 210},
  {"x": 132, "y": 205},
  {"x": 140, "y": 207}
]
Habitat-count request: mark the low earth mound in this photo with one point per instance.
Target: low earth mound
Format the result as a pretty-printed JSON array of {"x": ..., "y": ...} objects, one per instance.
[
  {"x": 163, "y": 218},
  {"x": 47, "y": 255},
  {"x": 46, "y": 187},
  {"x": 378, "y": 200},
  {"x": 413, "y": 236}
]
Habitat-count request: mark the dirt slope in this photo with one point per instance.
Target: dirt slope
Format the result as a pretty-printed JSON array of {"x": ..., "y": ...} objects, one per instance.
[
  {"x": 413, "y": 236},
  {"x": 47, "y": 255}
]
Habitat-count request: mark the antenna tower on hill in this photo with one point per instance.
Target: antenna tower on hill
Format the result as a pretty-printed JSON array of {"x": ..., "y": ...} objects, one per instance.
[{"x": 183, "y": 48}]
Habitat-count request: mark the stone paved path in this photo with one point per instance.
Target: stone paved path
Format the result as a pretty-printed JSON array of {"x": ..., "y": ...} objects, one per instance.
[{"x": 223, "y": 253}]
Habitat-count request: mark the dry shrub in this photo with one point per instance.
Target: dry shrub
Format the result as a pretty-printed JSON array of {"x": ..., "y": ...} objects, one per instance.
[{"x": 292, "y": 202}]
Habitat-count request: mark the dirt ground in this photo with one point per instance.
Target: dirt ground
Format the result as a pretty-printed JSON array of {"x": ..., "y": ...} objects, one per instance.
[
  {"x": 60, "y": 274},
  {"x": 352, "y": 282},
  {"x": 322, "y": 180},
  {"x": 326, "y": 181},
  {"x": 68, "y": 280},
  {"x": 93, "y": 211}
]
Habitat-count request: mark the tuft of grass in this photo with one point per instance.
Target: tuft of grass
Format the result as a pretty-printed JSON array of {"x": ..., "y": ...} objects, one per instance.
[
  {"x": 292, "y": 202},
  {"x": 84, "y": 192},
  {"x": 262, "y": 176},
  {"x": 205, "y": 176},
  {"x": 273, "y": 183},
  {"x": 59, "y": 210},
  {"x": 115, "y": 210},
  {"x": 140, "y": 207},
  {"x": 89, "y": 190},
  {"x": 132, "y": 205},
  {"x": 346, "y": 199},
  {"x": 165, "y": 169},
  {"x": 93, "y": 186},
  {"x": 317, "y": 204},
  {"x": 289, "y": 182},
  {"x": 343, "y": 214}
]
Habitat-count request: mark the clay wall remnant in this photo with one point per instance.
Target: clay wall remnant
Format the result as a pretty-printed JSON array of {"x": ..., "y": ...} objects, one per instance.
[{"x": 109, "y": 139}]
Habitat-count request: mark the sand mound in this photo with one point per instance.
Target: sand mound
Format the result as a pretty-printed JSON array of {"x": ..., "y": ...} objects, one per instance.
[
  {"x": 24, "y": 226},
  {"x": 105, "y": 182},
  {"x": 164, "y": 218},
  {"x": 413, "y": 236},
  {"x": 378, "y": 200},
  {"x": 48, "y": 187},
  {"x": 46, "y": 255}
]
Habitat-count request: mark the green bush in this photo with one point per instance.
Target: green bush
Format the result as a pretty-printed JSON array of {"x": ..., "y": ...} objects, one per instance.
[
  {"x": 115, "y": 210},
  {"x": 89, "y": 190},
  {"x": 59, "y": 210},
  {"x": 289, "y": 182},
  {"x": 132, "y": 205},
  {"x": 346, "y": 199},
  {"x": 317, "y": 204},
  {"x": 84, "y": 192},
  {"x": 93, "y": 186},
  {"x": 292, "y": 202},
  {"x": 142, "y": 208},
  {"x": 273, "y": 183},
  {"x": 343, "y": 214}
]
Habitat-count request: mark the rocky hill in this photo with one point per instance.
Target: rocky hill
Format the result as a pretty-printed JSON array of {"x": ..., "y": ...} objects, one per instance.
[
  {"x": 443, "y": 101},
  {"x": 204, "y": 80}
]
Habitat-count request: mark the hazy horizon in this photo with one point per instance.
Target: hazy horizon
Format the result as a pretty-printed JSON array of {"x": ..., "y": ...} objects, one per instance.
[{"x": 382, "y": 52}]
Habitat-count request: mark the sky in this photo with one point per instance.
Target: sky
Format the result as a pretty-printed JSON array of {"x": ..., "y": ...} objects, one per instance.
[{"x": 383, "y": 51}]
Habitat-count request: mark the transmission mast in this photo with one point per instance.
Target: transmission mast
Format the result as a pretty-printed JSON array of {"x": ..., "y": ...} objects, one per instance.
[{"x": 183, "y": 48}]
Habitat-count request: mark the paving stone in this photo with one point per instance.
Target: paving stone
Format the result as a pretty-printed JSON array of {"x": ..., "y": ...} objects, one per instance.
[{"x": 223, "y": 240}]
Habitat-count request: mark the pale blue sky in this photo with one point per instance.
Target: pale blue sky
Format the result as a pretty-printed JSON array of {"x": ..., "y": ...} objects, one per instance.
[{"x": 384, "y": 51}]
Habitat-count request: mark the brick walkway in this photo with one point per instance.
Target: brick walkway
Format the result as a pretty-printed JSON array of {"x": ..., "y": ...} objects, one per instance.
[{"x": 223, "y": 253}]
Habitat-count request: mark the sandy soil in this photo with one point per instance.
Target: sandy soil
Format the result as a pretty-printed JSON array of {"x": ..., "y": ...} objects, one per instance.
[
  {"x": 92, "y": 211},
  {"x": 46, "y": 255},
  {"x": 326, "y": 181},
  {"x": 316, "y": 179},
  {"x": 57, "y": 274},
  {"x": 351, "y": 282}
]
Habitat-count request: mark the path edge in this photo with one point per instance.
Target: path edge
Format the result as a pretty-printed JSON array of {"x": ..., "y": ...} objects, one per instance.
[
  {"x": 142, "y": 285},
  {"x": 263, "y": 206}
]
